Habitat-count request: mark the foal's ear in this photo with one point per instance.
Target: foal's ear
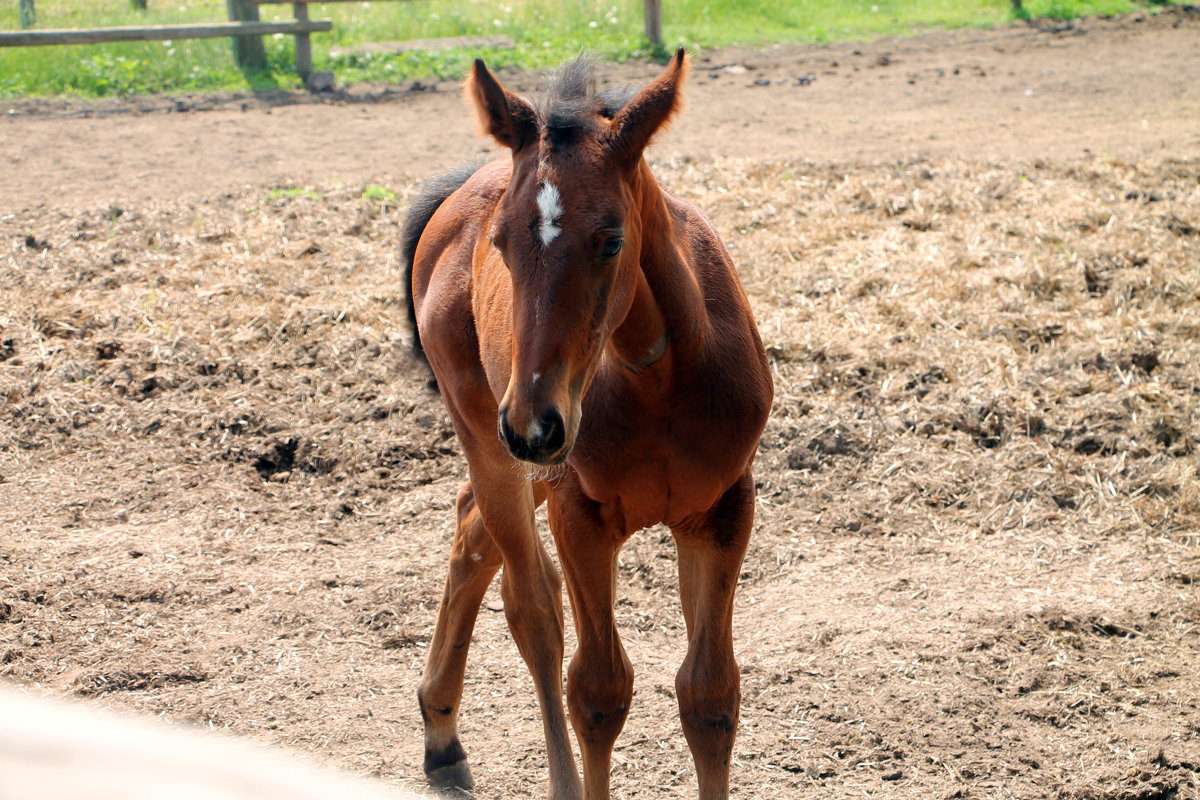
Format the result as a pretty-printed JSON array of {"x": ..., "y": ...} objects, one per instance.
[
  {"x": 648, "y": 112},
  {"x": 505, "y": 117}
]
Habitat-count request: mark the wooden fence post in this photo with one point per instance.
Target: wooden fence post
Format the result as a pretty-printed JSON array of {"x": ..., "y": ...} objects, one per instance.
[
  {"x": 248, "y": 51},
  {"x": 28, "y": 14},
  {"x": 652, "y": 12},
  {"x": 303, "y": 43}
]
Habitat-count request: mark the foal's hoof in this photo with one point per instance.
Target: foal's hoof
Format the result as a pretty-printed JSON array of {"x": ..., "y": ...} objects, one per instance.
[{"x": 452, "y": 780}]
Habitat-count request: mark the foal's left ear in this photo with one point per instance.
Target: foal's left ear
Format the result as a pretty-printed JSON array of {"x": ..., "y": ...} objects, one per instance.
[{"x": 648, "y": 112}]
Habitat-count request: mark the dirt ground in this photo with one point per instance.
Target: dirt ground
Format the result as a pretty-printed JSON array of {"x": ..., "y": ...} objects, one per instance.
[{"x": 226, "y": 488}]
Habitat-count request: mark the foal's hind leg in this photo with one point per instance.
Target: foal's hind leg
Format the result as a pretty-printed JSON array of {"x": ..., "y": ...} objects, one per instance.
[
  {"x": 707, "y": 684},
  {"x": 473, "y": 563}
]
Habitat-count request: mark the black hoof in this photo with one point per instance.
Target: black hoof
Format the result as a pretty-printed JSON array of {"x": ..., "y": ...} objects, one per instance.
[{"x": 452, "y": 780}]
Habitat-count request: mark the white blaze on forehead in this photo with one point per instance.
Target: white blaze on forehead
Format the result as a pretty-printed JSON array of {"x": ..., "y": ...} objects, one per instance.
[{"x": 549, "y": 209}]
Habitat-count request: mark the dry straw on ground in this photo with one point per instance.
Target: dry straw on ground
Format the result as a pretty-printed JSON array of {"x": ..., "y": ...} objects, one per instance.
[{"x": 226, "y": 485}]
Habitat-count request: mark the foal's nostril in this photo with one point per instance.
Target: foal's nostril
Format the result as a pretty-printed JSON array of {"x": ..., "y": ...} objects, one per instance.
[
  {"x": 507, "y": 434},
  {"x": 544, "y": 439},
  {"x": 553, "y": 431}
]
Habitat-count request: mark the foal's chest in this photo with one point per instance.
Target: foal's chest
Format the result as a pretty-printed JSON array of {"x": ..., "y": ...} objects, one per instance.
[{"x": 666, "y": 460}]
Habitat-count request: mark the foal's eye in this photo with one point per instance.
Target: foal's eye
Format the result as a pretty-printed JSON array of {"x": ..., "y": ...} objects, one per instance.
[{"x": 611, "y": 247}]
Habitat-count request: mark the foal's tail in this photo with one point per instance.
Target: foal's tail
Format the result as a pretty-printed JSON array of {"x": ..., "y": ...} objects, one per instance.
[{"x": 429, "y": 198}]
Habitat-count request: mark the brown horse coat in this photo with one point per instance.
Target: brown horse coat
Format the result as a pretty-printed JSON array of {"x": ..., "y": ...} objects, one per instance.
[{"x": 596, "y": 351}]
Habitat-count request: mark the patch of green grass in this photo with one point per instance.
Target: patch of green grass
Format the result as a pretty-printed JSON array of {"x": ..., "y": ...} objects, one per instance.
[
  {"x": 1073, "y": 9},
  {"x": 543, "y": 33},
  {"x": 290, "y": 193},
  {"x": 379, "y": 193}
]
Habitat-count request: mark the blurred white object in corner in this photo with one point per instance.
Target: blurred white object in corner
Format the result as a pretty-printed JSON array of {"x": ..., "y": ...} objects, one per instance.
[{"x": 59, "y": 750}]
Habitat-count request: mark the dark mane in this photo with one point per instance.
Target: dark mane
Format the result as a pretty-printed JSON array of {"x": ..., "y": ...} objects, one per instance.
[
  {"x": 573, "y": 80},
  {"x": 614, "y": 98},
  {"x": 573, "y": 103},
  {"x": 430, "y": 196}
]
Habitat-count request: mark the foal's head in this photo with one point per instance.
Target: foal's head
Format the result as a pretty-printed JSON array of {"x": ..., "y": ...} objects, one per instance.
[{"x": 569, "y": 231}]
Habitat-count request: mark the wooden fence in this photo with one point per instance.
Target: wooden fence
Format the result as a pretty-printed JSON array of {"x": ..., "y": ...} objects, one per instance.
[
  {"x": 212, "y": 30},
  {"x": 244, "y": 27}
]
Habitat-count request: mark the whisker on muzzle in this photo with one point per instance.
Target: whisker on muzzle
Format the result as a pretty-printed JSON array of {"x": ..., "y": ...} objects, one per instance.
[{"x": 552, "y": 475}]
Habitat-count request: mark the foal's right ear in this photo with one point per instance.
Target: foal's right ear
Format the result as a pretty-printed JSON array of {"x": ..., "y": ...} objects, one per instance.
[{"x": 502, "y": 115}]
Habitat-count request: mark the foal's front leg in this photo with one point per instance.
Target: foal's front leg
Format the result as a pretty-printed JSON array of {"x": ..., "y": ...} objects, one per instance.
[
  {"x": 708, "y": 685},
  {"x": 600, "y": 677},
  {"x": 498, "y": 510}
]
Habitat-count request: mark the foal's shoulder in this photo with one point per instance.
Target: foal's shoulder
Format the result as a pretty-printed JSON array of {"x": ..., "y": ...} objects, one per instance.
[{"x": 692, "y": 222}]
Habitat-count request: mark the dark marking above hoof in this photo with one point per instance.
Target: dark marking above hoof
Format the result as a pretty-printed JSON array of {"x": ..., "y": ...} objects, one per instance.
[
  {"x": 450, "y": 756},
  {"x": 452, "y": 780}
]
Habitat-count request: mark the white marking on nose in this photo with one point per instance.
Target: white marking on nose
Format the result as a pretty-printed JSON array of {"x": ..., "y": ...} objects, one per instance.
[
  {"x": 535, "y": 429},
  {"x": 549, "y": 205}
]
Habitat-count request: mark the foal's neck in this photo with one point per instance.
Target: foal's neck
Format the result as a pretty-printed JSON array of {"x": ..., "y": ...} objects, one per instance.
[{"x": 667, "y": 299}]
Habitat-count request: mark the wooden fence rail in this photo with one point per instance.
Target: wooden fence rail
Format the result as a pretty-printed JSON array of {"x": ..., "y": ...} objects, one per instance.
[
  {"x": 147, "y": 33},
  {"x": 247, "y": 37}
]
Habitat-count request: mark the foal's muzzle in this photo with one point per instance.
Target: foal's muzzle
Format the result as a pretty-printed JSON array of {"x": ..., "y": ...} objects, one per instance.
[{"x": 542, "y": 441}]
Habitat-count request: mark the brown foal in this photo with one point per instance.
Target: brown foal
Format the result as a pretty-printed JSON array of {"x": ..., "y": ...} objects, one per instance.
[{"x": 596, "y": 324}]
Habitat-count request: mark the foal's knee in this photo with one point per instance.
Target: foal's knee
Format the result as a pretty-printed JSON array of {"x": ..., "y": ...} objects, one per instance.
[
  {"x": 598, "y": 695},
  {"x": 533, "y": 609},
  {"x": 708, "y": 708}
]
